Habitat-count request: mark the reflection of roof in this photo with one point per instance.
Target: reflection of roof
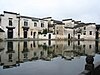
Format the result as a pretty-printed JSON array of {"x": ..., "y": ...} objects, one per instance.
[
  {"x": 69, "y": 27},
  {"x": 1, "y": 30},
  {"x": 1, "y": 49}
]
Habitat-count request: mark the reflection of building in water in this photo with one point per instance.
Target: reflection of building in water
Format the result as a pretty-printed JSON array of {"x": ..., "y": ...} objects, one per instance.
[
  {"x": 17, "y": 52},
  {"x": 85, "y": 47},
  {"x": 2, "y": 46},
  {"x": 9, "y": 56}
]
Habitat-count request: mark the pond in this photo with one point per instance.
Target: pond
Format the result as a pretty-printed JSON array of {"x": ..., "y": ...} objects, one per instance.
[{"x": 46, "y": 57}]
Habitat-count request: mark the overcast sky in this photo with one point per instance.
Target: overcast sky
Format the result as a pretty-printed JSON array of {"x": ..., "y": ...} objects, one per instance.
[{"x": 84, "y": 10}]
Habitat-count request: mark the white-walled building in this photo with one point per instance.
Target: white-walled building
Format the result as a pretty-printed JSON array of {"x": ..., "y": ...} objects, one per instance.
[
  {"x": 18, "y": 26},
  {"x": 9, "y": 23},
  {"x": 86, "y": 31}
]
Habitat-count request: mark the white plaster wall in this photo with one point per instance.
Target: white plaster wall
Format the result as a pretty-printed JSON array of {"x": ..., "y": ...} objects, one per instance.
[
  {"x": 88, "y": 36},
  {"x": 2, "y": 35},
  {"x": 45, "y": 36},
  {"x": 68, "y": 31},
  {"x": 5, "y": 22}
]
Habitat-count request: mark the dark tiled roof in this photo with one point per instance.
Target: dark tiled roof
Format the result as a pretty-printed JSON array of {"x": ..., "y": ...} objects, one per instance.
[
  {"x": 11, "y": 12},
  {"x": 33, "y": 18},
  {"x": 26, "y": 17},
  {"x": 1, "y": 30},
  {"x": 1, "y": 15},
  {"x": 57, "y": 21},
  {"x": 46, "y": 17},
  {"x": 66, "y": 19},
  {"x": 82, "y": 24}
]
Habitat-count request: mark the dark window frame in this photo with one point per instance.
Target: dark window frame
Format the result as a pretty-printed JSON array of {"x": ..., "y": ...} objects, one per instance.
[
  {"x": 90, "y": 32},
  {"x": 42, "y": 24},
  {"x": 10, "y": 22},
  {"x": 25, "y": 23},
  {"x": 35, "y": 24}
]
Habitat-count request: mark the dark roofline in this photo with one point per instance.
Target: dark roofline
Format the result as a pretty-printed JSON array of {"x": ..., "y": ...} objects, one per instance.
[
  {"x": 89, "y": 23},
  {"x": 46, "y": 17},
  {"x": 42, "y": 19},
  {"x": 33, "y": 18},
  {"x": 11, "y": 13},
  {"x": 1, "y": 15},
  {"x": 59, "y": 24},
  {"x": 83, "y": 24},
  {"x": 26, "y": 17},
  {"x": 66, "y": 19}
]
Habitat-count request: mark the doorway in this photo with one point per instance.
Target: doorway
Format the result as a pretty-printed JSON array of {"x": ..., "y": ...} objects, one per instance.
[
  {"x": 25, "y": 34},
  {"x": 78, "y": 36},
  {"x": 34, "y": 34},
  {"x": 10, "y": 33},
  {"x": 49, "y": 36},
  {"x": 68, "y": 36}
]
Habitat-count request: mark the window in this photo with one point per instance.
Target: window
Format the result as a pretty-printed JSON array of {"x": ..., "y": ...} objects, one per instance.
[
  {"x": 34, "y": 53},
  {"x": 84, "y": 33},
  {"x": 44, "y": 35},
  {"x": 10, "y": 21},
  {"x": 57, "y": 32},
  {"x": 68, "y": 43},
  {"x": 90, "y": 32},
  {"x": 25, "y": 23},
  {"x": 31, "y": 45},
  {"x": 34, "y": 44},
  {"x": 42, "y": 24},
  {"x": 31, "y": 33},
  {"x": 78, "y": 42},
  {"x": 83, "y": 46},
  {"x": 35, "y": 24},
  {"x": 84, "y": 28},
  {"x": 90, "y": 46}
]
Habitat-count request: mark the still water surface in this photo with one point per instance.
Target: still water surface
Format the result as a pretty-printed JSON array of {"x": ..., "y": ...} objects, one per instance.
[{"x": 46, "y": 57}]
